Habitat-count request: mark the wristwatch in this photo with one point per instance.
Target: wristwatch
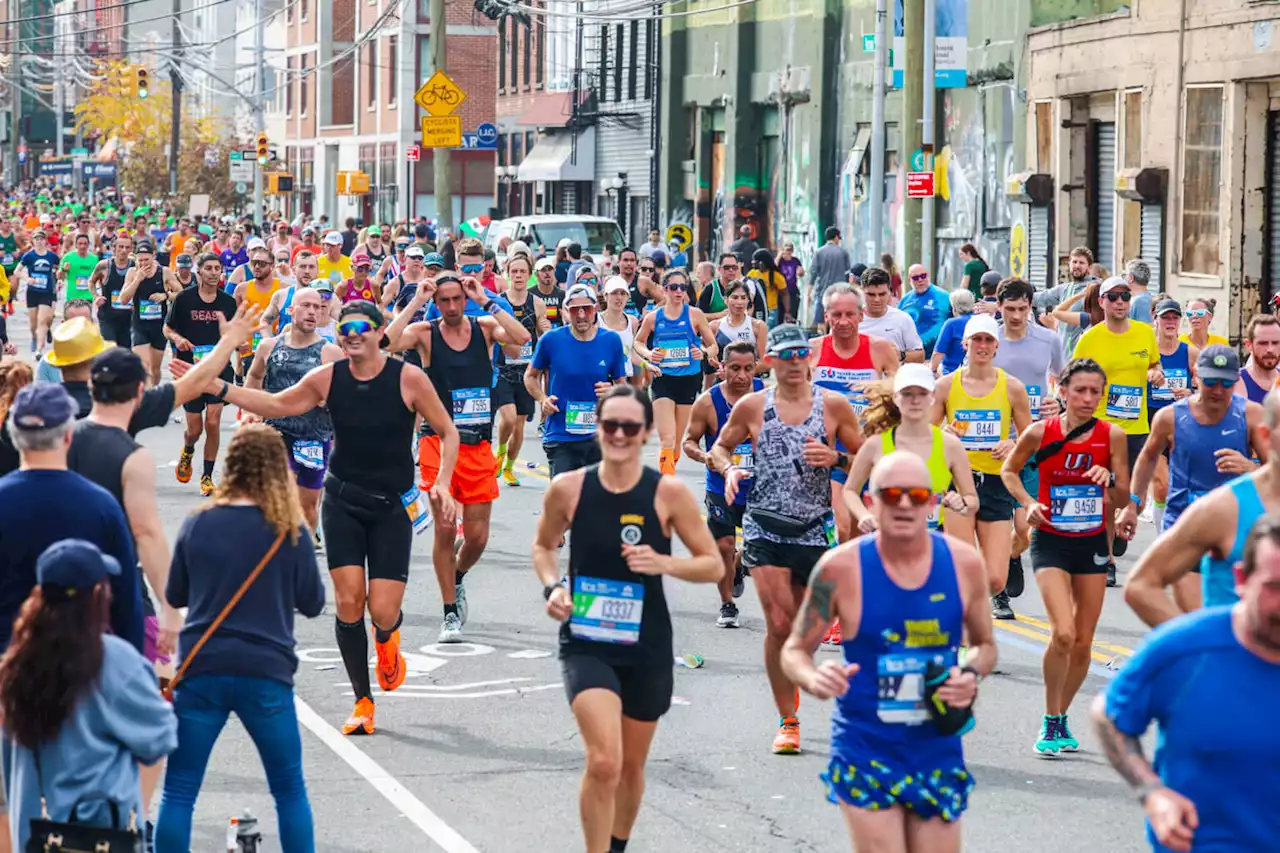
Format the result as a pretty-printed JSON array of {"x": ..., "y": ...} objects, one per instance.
[
  {"x": 550, "y": 588},
  {"x": 222, "y": 394},
  {"x": 842, "y": 460}
]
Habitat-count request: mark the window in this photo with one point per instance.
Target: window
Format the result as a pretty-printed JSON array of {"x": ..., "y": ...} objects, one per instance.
[
  {"x": 633, "y": 69},
  {"x": 604, "y": 63},
  {"x": 1044, "y": 137},
  {"x": 304, "y": 9},
  {"x": 513, "y": 39},
  {"x": 1133, "y": 129},
  {"x": 1201, "y": 180},
  {"x": 288, "y": 86},
  {"x": 502, "y": 56},
  {"x": 393, "y": 70},
  {"x": 540, "y": 60},
  {"x": 304, "y": 84},
  {"x": 371, "y": 74},
  {"x": 527, "y": 37},
  {"x": 619, "y": 35},
  {"x": 650, "y": 52}
]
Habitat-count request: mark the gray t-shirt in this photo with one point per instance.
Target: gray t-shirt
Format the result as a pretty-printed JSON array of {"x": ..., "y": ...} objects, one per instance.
[
  {"x": 1140, "y": 308},
  {"x": 1032, "y": 360},
  {"x": 1047, "y": 300},
  {"x": 830, "y": 264}
]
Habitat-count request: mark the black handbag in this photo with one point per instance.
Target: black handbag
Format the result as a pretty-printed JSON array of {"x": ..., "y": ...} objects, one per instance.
[{"x": 70, "y": 836}]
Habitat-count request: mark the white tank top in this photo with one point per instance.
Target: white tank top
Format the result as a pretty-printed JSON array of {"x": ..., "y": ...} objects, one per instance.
[
  {"x": 628, "y": 335},
  {"x": 745, "y": 332}
]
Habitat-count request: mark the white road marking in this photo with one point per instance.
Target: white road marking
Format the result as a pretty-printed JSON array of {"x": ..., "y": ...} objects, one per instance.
[
  {"x": 482, "y": 694},
  {"x": 398, "y": 795}
]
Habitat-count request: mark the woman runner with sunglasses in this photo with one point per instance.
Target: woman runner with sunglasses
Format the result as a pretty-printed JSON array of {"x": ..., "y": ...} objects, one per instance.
[
  {"x": 1083, "y": 472},
  {"x": 673, "y": 340},
  {"x": 615, "y": 636}
]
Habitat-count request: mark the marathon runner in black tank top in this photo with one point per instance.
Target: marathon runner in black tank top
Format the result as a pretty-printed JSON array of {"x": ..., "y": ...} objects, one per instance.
[
  {"x": 114, "y": 316},
  {"x": 149, "y": 287},
  {"x": 615, "y": 637},
  {"x": 513, "y": 401},
  {"x": 456, "y": 350},
  {"x": 371, "y": 506},
  {"x": 551, "y": 294}
]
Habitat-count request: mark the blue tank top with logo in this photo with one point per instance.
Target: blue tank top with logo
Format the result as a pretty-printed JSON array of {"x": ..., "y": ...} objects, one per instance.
[
  {"x": 677, "y": 340},
  {"x": 743, "y": 454},
  {"x": 900, "y": 631},
  {"x": 1193, "y": 470},
  {"x": 1177, "y": 374},
  {"x": 1217, "y": 577}
]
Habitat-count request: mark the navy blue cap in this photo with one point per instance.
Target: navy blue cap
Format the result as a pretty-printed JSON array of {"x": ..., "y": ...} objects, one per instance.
[
  {"x": 74, "y": 564},
  {"x": 42, "y": 405},
  {"x": 659, "y": 258},
  {"x": 117, "y": 366}
]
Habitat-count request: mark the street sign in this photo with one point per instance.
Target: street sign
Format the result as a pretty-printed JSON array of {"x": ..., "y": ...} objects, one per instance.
[
  {"x": 414, "y": 153},
  {"x": 242, "y": 187},
  {"x": 79, "y": 155},
  {"x": 440, "y": 96},
  {"x": 869, "y": 43},
  {"x": 919, "y": 184},
  {"x": 681, "y": 235},
  {"x": 241, "y": 166},
  {"x": 484, "y": 138},
  {"x": 917, "y": 160},
  {"x": 441, "y": 131},
  {"x": 1018, "y": 250}
]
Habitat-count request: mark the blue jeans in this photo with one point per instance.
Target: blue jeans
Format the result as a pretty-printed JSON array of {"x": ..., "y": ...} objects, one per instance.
[{"x": 265, "y": 707}]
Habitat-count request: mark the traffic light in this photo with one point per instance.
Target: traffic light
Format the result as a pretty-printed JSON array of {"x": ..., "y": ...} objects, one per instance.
[
  {"x": 140, "y": 80},
  {"x": 279, "y": 183},
  {"x": 263, "y": 154}
]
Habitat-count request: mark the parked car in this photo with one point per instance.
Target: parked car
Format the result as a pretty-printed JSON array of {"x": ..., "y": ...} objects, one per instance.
[{"x": 591, "y": 232}]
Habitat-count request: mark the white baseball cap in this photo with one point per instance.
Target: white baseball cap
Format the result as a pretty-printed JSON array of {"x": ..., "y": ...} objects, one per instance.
[
  {"x": 615, "y": 283},
  {"x": 333, "y": 238},
  {"x": 914, "y": 375},
  {"x": 564, "y": 243},
  {"x": 981, "y": 324},
  {"x": 545, "y": 263},
  {"x": 255, "y": 243},
  {"x": 1112, "y": 283}
]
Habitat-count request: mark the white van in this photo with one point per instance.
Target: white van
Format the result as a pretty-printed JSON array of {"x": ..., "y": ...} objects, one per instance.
[{"x": 590, "y": 232}]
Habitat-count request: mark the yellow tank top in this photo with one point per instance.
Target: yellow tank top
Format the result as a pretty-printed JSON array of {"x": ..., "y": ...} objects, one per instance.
[
  {"x": 939, "y": 471},
  {"x": 980, "y": 422},
  {"x": 259, "y": 300}
]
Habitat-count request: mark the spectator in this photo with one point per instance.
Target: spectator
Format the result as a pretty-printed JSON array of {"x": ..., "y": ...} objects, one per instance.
[
  {"x": 563, "y": 261},
  {"x": 882, "y": 319},
  {"x": 974, "y": 268},
  {"x": 350, "y": 237},
  {"x": 895, "y": 276},
  {"x": 1078, "y": 277},
  {"x": 928, "y": 306},
  {"x": 679, "y": 257},
  {"x": 100, "y": 710},
  {"x": 1138, "y": 272},
  {"x": 1072, "y": 316},
  {"x": 248, "y": 663},
  {"x": 855, "y": 273},
  {"x": 829, "y": 265},
  {"x": 774, "y": 286},
  {"x": 48, "y": 368},
  {"x": 745, "y": 246},
  {"x": 949, "y": 353},
  {"x": 792, "y": 270},
  {"x": 653, "y": 245}
]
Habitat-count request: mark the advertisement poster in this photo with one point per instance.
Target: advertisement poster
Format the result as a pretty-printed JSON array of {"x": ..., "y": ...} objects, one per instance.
[{"x": 951, "y": 44}]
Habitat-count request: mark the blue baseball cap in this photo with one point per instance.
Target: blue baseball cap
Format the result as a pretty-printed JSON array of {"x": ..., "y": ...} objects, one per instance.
[
  {"x": 73, "y": 564},
  {"x": 42, "y": 405},
  {"x": 433, "y": 259}
]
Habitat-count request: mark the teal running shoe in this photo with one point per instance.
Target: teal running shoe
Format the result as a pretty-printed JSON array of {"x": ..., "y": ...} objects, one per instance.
[
  {"x": 1047, "y": 744},
  {"x": 1066, "y": 743}
]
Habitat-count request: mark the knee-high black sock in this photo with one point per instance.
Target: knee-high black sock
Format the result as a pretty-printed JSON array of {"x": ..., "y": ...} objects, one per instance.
[
  {"x": 383, "y": 636},
  {"x": 353, "y": 642}
]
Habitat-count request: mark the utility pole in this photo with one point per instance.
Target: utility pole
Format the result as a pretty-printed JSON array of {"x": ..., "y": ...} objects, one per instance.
[
  {"x": 258, "y": 120},
  {"x": 655, "y": 118},
  {"x": 878, "y": 134},
  {"x": 912, "y": 106},
  {"x": 929, "y": 81},
  {"x": 440, "y": 156},
  {"x": 175, "y": 119}
]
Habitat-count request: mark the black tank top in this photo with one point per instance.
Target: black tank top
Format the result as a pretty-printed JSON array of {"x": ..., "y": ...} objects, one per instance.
[
  {"x": 148, "y": 287},
  {"x": 619, "y": 616},
  {"x": 552, "y": 300},
  {"x": 463, "y": 380},
  {"x": 372, "y": 430},
  {"x": 115, "y": 283},
  {"x": 527, "y": 314},
  {"x": 638, "y": 300}
]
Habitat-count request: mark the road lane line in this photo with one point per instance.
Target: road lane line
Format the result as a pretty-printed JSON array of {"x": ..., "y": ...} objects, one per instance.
[
  {"x": 1043, "y": 638},
  {"x": 1027, "y": 646},
  {"x": 1120, "y": 650},
  {"x": 398, "y": 795}
]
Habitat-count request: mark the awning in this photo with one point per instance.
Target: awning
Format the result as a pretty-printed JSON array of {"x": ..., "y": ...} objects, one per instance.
[
  {"x": 551, "y": 158},
  {"x": 549, "y": 109}
]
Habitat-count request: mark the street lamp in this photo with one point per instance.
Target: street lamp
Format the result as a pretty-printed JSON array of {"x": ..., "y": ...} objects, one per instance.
[{"x": 617, "y": 187}]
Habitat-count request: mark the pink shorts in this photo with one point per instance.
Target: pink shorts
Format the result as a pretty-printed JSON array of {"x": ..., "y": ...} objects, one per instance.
[{"x": 151, "y": 649}]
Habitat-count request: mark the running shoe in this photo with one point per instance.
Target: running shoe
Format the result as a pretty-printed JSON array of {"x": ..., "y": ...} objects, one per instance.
[
  {"x": 739, "y": 576},
  {"x": 361, "y": 720},
  {"x": 500, "y": 459},
  {"x": 1111, "y": 574},
  {"x": 728, "y": 615},
  {"x": 787, "y": 740},
  {"x": 1000, "y": 608},
  {"x": 1017, "y": 581},
  {"x": 451, "y": 630},
  {"x": 1047, "y": 744},
  {"x": 1065, "y": 741},
  {"x": 509, "y": 477},
  {"x": 206, "y": 486},
  {"x": 183, "y": 471},
  {"x": 832, "y": 637},
  {"x": 319, "y": 544},
  {"x": 460, "y": 596},
  {"x": 390, "y": 663}
]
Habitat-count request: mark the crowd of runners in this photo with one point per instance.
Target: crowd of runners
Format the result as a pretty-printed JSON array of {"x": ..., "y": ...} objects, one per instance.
[{"x": 882, "y": 477}]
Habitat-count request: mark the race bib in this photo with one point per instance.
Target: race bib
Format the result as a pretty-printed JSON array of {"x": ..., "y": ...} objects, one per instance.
[
  {"x": 82, "y": 283},
  {"x": 744, "y": 457},
  {"x": 310, "y": 454},
  {"x": 39, "y": 281},
  {"x": 415, "y": 504},
  {"x": 846, "y": 381},
  {"x": 900, "y": 679},
  {"x": 471, "y": 406},
  {"x": 526, "y": 353},
  {"x": 675, "y": 352},
  {"x": 150, "y": 310},
  {"x": 935, "y": 513},
  {"x": 606, "y": 611},
  {"x": 1036, "y": 395},
  {"x": 979, "y": 429},
  {"x": 1174, "y": 378},
  {"x": 1075, "y": 509},
  {"x": 7, "y": 260},
  {"x": 199, "y": 352},
  {"x": 580, "y": 419},
  {"x": 1124, "y": 401},
  {"x": 117, "y": 304}
]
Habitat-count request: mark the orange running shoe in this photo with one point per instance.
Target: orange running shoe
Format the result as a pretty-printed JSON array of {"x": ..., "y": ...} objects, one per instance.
[
  {"x": 361, "y": 720},
  {"x": 183, "y": 471},
  {"x": 832, "y": 637},
  {"x": 390, "y": 663},
  {"x": 787, "y": 740}
]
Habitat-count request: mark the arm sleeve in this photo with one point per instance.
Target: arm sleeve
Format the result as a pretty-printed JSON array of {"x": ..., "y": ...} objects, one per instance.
[
  {"x": 1056, "y": 359},
  {"x": 126, "y": 587},
  {"x": 308, "y": 589},
  {"x": 136, "y": 714}
]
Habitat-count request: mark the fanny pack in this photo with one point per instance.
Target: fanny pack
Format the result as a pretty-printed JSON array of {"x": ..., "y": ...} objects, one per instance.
[
  {"x": 359, "y": 497},
  {"x": 783, "y": 525},
  {"x": 1054, "y": 446},
  {"x": 469, "y": 437}
]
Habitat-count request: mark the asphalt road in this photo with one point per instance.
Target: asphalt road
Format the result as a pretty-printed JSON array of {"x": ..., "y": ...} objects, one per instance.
[{"x": 478, "y": 751}]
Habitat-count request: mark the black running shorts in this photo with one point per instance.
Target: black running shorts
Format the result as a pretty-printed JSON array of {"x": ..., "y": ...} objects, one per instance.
[
  {"x": 148, "y": 332},
  {"x": 681, "y": 389},
  {"x": 799, "y": 559},
  {"x": 645, "y": 690},
  {"x": 1075, "y": 555},
  {"x": 367, "y": 531}
]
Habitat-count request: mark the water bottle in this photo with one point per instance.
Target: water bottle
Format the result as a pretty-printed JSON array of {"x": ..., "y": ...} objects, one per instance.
[{"x": 233, "y": 828}]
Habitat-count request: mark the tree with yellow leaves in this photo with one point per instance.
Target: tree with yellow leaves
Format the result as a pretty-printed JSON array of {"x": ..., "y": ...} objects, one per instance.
[{"x": 112, "y": 107}]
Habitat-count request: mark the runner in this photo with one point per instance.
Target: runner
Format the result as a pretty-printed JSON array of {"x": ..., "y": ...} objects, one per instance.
[
  {"x": 788, "y": 521},
  {"x": 257, "y": 291},
  {"x": 279, "y": 312},
  {"x": 616, "y": 642},
  {"x": 736, "y": 325},
  {"x": 373, "y": 401},
  {"x": 373, "y": 247},
  {"x": 616, "y": 319},
  {"x": 709, "y": 416},
  {"x": 399, "y": 288},
  {"x": 36, "y": 268},
  {"x": 333, "y": 264},
  {"x": 1199, "y": 318},
  {"x": 1176, "y": 360},
  {"x": 672, "y": 340},
  {"x": 1127, "y": 352},
  {"x": 194, "y": 328},
  {"x": 551, "y": 294},
  {"x": 845, "y": 361},
  {"x": 183, "y": 269},
  {"x": 904, "y": 692},
  {"x": 882, "y": 319},
  {"x": 985, "y": 407},
  {"x": 9, "y": 257},
  {"x": 512, "y": 399},
  {"x": 457, "y": 353},
  {"x": 281, "y": 362},
  {"x": 76, "y": 268},
  {"x": 901, "y": 419},
  {"x": 106, "y": 282},
  {"x": 1262, "y": 342},
  {"x": 148, "y": 287},
  {"x": 360, "y": 285},
  {"x": 1082, "y": 470},
  {"x": 643, "y": 289},
  {"x": 572, "y": 367}
]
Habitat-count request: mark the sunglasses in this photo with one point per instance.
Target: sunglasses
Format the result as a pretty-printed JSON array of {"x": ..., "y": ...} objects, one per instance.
[
  {"x": 729, "y": 266},
  {"x": 1198, "y": 312},
  {"x": 400, "y": 247},
  {"x": 580, "y": 309},
  {"x": 259, "y": 263},
  {"x": 1118, "y": 296},
  {"x": 647, "y": 269},
  {"x": 922, "y": 277},
  {"x": 325, "y": 297},
  {"x": 283, "y": 260},
  {"x": 798, "y": 354},
  {"x": 629, "y": 428},
  {"x": 471, "y": 269},
  {"x": 356, "y": 326},
  {"x": 892, "y": 495},
  {"x": 673, "y": 288},
  {"x": 1218, "y": 383}
]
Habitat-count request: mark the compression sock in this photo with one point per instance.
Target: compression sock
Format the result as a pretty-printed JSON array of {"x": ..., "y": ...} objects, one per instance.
[
  {"x": 451, "y": 608},
  {"x": 189, "y": 449},
  {"x": 458, "y": 577},
  {"x": 353, "y": 643},
  {"x": 385, "y": 636},
  {"x": 502, "y": 451},
  {"x": 617, "y": 845},
  {"x": 1157, "y": 515},
  {"x": 666, "y": 461},
  {"x": 208, "y": 467}
]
